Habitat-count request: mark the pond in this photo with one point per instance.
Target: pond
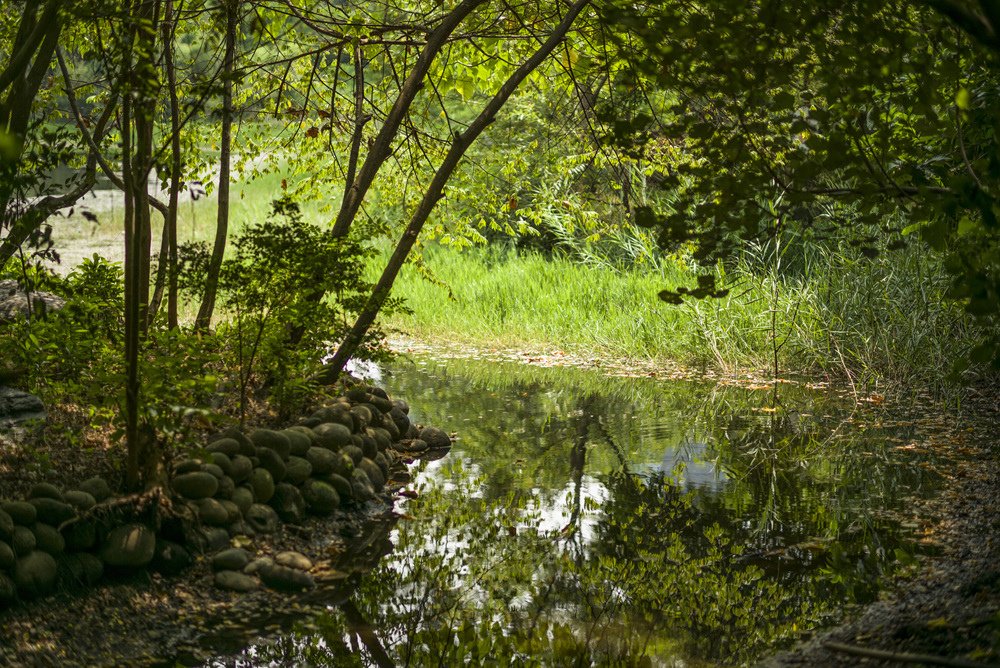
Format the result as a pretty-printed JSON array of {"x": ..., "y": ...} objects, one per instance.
[{"x": 583, "y": 519}]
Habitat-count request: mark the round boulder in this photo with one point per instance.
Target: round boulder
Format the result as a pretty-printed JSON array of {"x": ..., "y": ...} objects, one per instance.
[
  {"x": 129, "y": 546},
  {"x": 80, "y": 535},
  {"x": 35, "y": 574},
  {"x": 266, "y": 438},
  {"x": 241, "y": 468},
  {"x": 196, "y": 485},
  {"x": 373, "y": 472},
  {"x": 8, "y": 591},
  {"x": 262, "y": 518},
  {"x": 285, "y": 578},
  {"x": 233, "y": 559},
  {"x": 295, "y": 560},
  {"x": 44, "y": 490},
  {"x": 51, "y": 511},
  {"x": 211, "y": 512},
  {"x": 170, "y": 558},
  {"x": 80, "y": 569},
  {"x": 321, "y": 460},
  {"x": 229, "y": 447},
  {"x": 298, "y": 470},
  {"x": 97, "y": 487},
  {"x": 234, "y": 581},
  {"x": 321, "y": 498},
  {"x": 80, "y": 500},
  {"x": 23, "y": 541},
  {"x": 7, "y": 557},
  {"x": 262, "y": 484},
  {"x": 273, "y": 463},
  {"x": 435, "y": 438},
  {"x": 299, "y": 441},
  {"x": 48, "y": 539},
  {"x": 21, "y": 512},
  {"x": 332, "y": 435},
  {"x": 243, "y": 498}
]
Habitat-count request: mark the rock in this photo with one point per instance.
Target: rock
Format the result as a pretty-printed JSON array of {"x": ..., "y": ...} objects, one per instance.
[
  {"x": 295, "y": 560},
  {"x": 80, "y": 535},
  {"x": 410, "y": 445},
  {"x": 357, "y": 441},
  {"x": 298, "y": 470},
  {"x": 6, "y": 525},
  {"x": 262, "y": 518},
  {"x": 243, "y": 498},
  {"x": 288, "y": 503},
  {"x": 44, "y": 490},
  {"x": 242, "y": 466},
  {"x": 183, "y": 466},
  {"x": 15, "y": 302},
  {"x": 261, "y": 562},
  {"x": 21, "y": 512},
  {"x": 211, "y": 512},
  {"x": 207, "y": 540},
  {"x": 321, "y": 460},
  {"x": 129, "y": 546},
  {"x": 8, "y": 591},
  {"x": 233, "y": 581},
  {"x": 97, "y": 487},
  {"x": 196, "y": 485},
  {"x": 361, "y": 486},
  {"x": 266, "y": 438},
  {"x": 23, "y": 541},
  {"x": 332, "y": 436},
  {"x": 376, "y": 414},
  {"x": 342, "y": 485},
  {"x": 383, "y": 404},
  {"x": 391, "y": 429},
  {"x": 369, "y": 446},
  {"x": 226, "y": 488},
  {"x": 309, "y": 422},
  {"x": 355, "y": 453},
  {"x": 343, "y": 465},
  {"x": 246, "y": 446},
  {"x": 48, "y": 539},
  {"x": 383, "y": 463},
  {"x": 285, "y": 578},
  {"x": 233, "y": 559},
  {"x": 223, "y": 461},
  {"x": 435, "y": 438},
  {"x": 374, "y": 473},
  {"x": 214, "y": 470},
  {"x": 79, "y": 569},
  {"x": 80, "y": 500},
  {"x": 262, "y": 485},
  {"x": 362, "y": 417},
  {"x": 273, "y": 463},
  {"x": 18, "y": 407},
  {"x": 383, "y": 440},
  {"x": 240, "y": 528},
  {"x": 336, "y": 413},
  {"x": 229, "y": 447},
  {"x": 51, "y": 511},
  {"x": 321, "y": 498},
  {"x": 377, "y": 391},
  {"x": 401, "y": 405},
  {"x": 170, "y": 558},
  {"x": 359, "y": 393},
  {"x": 299, "y": 440},
  {"x": 35, "y": 574},
  {"x": 233, "y": 512},
  {"x": 7, "y": 557}
]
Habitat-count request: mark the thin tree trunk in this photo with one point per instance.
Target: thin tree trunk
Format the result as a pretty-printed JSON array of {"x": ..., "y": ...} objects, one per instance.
[
  {"x": 435, "y": 191},
  {"x": 207, "y": 308},
  {"x": 170, "y": 223}
]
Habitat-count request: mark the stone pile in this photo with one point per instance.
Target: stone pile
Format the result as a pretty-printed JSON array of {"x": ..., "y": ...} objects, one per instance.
[{"x": 238, "y": 485}]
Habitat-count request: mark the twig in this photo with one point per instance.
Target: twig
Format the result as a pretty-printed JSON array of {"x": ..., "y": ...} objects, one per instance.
[{"x": 901, "y": 657}]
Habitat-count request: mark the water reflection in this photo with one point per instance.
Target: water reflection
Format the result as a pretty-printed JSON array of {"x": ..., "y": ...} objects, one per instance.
[{"x": 582, "y": 520}]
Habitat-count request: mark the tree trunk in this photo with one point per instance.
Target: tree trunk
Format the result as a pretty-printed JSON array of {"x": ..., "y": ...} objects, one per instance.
[
  {"x": 435, "y": 191},
  {"x": 207, "y": 308}
]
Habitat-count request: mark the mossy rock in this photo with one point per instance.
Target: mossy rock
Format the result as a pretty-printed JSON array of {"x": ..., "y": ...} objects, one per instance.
[
  {"x": 361, "y": 486},
  {"x": 288, "y": 503},
  {"x": 299, "y": 441},
  {"x": 435, "y": 438},
  {"x": 391, "y": 429},
  {"x": 211, "y": 512},
  {"x": 48, "y": 539},
  {"x": 242, "y": 466},
  {"x": 7, "y": 557},
  {"x": 401, "y": 405},
  {"x": 321, "y": 498},
  {"x": 295, "y": 560},
  {"x": 207, "y": 540},
  {"x": 8, "y": 591},
  {"x": 332, "y": 436},
  {"x": 412, "y": 445},
  {"x": 355, "y": 453},
  {"x": 321, "y": 460},
  {"x": 229, "y": 447},
  {"x": 233, "y": 512},
  {"x": 335, "y": 414},
  {"x": 383, "y": 463},
  {"x": 233, "y": 559},
  {"x": 298, "y": 470},
  {"x": 83, "y": 569},
  {"x": 21, "y": 512},
  {"x": 262, "y": 518},
  {"x": 23, "y": 541},
  {"x": 266, "y": 438},
  {"x": 359, "y": 393},
  {"x": 51, "y": 511},
  {"x": 376, "y": 414},
  {"x": 369, "y": 446},
  {"x": 170, "y": 558},
  {"x": 80, "y": 500},
  {"x": 383, "y": 440},
  {"x": 262, "y": 484},
  {"x": 214, "y": 470},
  {"x": 286, "y": 579},
  {"x": 196, "y": 485},
  {"x": 80, "y": 535},
  {"x": 243, "y": 498},
  {"x": 343, "y": 465},
  {"x": 224, "y": 462},
  {"x": 342, "y": 485},
  {"x": 226, "y": 488},
  {"x": 273, "y": 463},
  {"x": 6, "y": 526},
  {"x": 186, "y": 465},
  {"x": 235, "y": 581},
  {"x": 129, "y": 546},
  {"x": 383, "y": 404},
  {"x": 246, "y": 446},
  {"x": 97, "y": 487},
  {"x": 44, "y": 490},
  {"x": 255, "y": 566},
  {"x": 374, "y": 473},
  {"x": 362, "y": 418},
  {"x": 35, "y": 574},
  {"x": 357, "y": 441},
  {"x": 309, "y": 422}
]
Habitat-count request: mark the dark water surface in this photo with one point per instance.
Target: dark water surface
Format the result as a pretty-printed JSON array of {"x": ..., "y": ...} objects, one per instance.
[{"x": 588, "y": 520}]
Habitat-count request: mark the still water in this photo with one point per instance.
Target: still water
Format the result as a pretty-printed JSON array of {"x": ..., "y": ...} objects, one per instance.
[{"x": 588, "y": 520}]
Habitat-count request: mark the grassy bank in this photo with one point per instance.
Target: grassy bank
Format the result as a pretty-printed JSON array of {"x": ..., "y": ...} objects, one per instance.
[{"x": 838, "y": 314}]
